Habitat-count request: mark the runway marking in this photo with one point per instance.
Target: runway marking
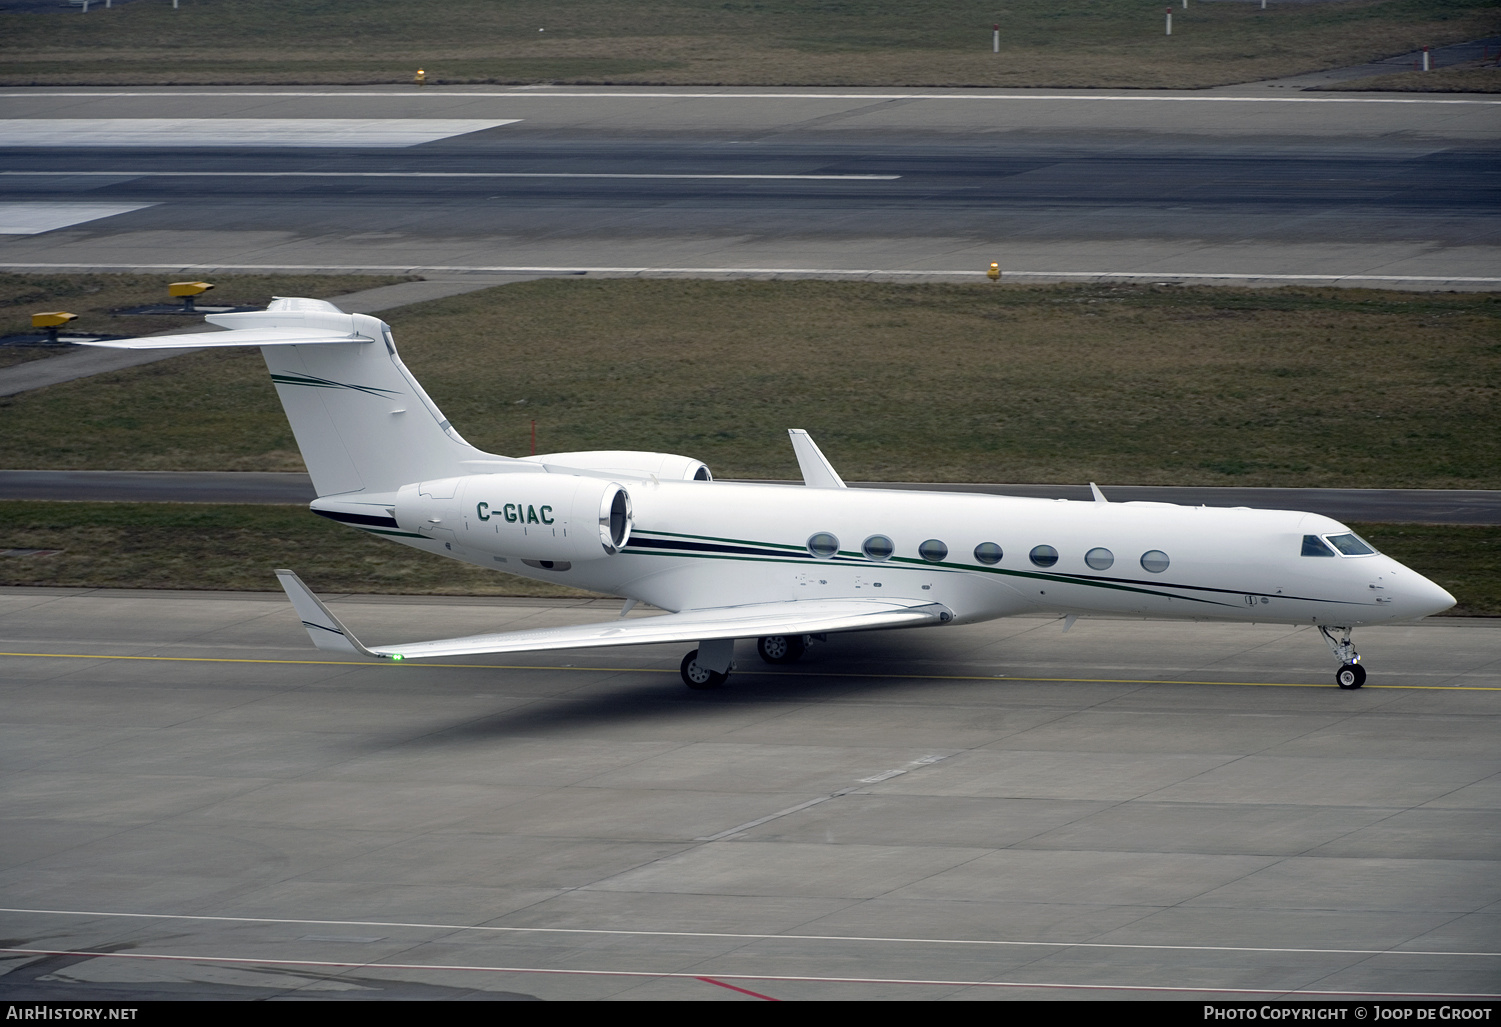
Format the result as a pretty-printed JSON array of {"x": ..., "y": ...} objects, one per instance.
[
  {"x": 48, "y": 216},
  {"x": 443, "y": 174},
  {"x": 1108, "y": 97},
  {"x": 318, "y": 133},
  {"x": 749, "y": 937},
  {"x": 668, "y": 974},
  {"x": 824, "y": 272},
  {"x": 758, "y": 673},
  {"x": 743, "y": 991}
]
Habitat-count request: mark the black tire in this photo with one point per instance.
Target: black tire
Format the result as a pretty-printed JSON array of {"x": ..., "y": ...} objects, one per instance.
[
  {"x": 1351, "y": 676},
  {"x": 781, "y": 648},
  {"x": 700, "y": 678}
]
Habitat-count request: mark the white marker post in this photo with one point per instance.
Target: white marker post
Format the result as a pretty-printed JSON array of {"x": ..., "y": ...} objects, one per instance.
[
  {"x": 995, "y": 42},
  {"x": 1169, "y": 21},
  {"x": 1425, "y": 58}
]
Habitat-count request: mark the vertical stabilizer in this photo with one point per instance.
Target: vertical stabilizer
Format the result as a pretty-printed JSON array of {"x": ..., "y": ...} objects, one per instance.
[{"x": 360, "y": 418}]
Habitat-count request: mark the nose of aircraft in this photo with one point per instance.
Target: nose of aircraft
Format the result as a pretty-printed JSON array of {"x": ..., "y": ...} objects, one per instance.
[{"x": 1423, "y": 598}]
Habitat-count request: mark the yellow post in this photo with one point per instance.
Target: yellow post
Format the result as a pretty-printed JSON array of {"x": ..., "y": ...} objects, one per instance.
[
  {"x": 188, "y": 290},
  {"x": 51, "y": 321},
  {"x": 421, "y": 78},
  {"x": 994, "y": 274}
]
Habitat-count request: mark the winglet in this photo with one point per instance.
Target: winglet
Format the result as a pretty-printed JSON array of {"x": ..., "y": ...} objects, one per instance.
[
  {"x": 818, "y": 473},
  {"x": 1099, "y": 497},
  {"x": 322, "y": 626}
]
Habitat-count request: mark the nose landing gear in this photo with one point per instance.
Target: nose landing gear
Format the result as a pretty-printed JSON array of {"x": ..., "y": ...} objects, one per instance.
[{"x": 1351, "y": 674}]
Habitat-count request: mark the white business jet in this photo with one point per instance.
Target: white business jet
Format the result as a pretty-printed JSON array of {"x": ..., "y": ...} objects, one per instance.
[{"x": 779, "y": 563}]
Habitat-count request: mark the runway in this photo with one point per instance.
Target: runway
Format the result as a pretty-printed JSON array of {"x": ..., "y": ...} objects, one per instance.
[
  {"x": 198, "y": 804},
  {"x": 1251, "y": 186}
]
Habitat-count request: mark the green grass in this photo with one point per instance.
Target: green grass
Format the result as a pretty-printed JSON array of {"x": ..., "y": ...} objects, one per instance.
[
  {"x": 94, "y": 298},
  {"x": 236, "y": 548},
  {"x": 227, "y": 547},
  {"x": 1465, "y": 559},
  {"x": 1477, "y": 77},
  {"x": 1115, "y": 384},
  {"x": 1055, "y": 43}
]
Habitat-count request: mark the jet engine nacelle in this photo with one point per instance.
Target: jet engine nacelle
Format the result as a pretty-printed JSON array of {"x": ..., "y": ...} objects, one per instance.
[
  {"x": 630, "y": 463},
  {"x": 554, "y": 518}
]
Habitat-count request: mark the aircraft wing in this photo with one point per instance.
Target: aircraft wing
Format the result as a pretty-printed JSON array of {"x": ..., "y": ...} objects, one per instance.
[{"x": 794, "y": 617}]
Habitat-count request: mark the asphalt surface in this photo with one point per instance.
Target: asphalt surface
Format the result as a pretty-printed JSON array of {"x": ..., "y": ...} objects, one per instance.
[
  {"x": 1248, "y": 183},
  {"x": 991, "y": 811},
  {"x": 1430, "y": 506}
]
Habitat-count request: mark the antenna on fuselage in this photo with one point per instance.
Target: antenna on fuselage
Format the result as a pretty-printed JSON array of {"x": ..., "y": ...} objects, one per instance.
[{"x": 1099, "y": 497}]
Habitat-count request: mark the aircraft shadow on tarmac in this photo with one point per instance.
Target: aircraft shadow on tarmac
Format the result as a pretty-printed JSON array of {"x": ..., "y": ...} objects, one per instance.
[{"x": 834, "y": 671}]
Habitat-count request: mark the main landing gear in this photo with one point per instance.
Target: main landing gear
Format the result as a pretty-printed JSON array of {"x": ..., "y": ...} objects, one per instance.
[
  {"x": 1351, "y": 674},
  {"x": 710, "y": 664},
  {"x": 696, "y": 675},
  {"x": 781, "y": 648}
]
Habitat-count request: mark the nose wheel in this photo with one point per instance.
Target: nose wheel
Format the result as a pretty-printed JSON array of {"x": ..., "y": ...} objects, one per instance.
[{"x": 1351, "y": 675}]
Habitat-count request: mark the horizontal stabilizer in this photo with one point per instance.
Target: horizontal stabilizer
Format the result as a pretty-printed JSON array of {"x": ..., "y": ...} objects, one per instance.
[
  {"x": 794, "y": 617},
  {"x": 239, "y": 337}
]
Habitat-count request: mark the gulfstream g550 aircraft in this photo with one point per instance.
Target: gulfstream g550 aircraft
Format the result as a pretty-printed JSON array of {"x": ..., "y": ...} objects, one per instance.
[{"x": 777, "y": 563}]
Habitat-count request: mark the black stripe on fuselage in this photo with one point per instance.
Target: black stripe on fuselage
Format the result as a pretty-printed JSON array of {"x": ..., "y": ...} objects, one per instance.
[
  {"x": 354, "y": 518},
  {"x": 694, "y": 546}
]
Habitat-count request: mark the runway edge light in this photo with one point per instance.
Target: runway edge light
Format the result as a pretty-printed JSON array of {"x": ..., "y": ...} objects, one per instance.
[{"x": 994, "y": 274}]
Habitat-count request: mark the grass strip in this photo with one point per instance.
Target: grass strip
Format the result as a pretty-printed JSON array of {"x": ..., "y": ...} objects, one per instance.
[
  {"x": 227, "y": 547},
  {"x": 1053, "y": 43},
  {"x": 236, "y": 547},
  {"x": 1474, "y": 78},
  {"x": 1293, "y": 387},
  {"x": 95, "y": 298}
]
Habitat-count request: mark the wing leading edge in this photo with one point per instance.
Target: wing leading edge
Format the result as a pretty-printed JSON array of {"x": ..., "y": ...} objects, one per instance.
[{"x": 802, "y": 616}]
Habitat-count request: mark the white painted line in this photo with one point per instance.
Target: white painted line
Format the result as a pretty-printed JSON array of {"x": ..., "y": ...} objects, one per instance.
[
  {"x": 552, "y": 971},
  {"x": 745, "y": 937},
  {"x": 887, "y": 775},
  {"x": 738, "y": 828},
  {"x": 187, "y": 132},
  {"x": 36, "y": 218},
  {"x": 413, "y": 93},
  {"x": 435, "y": 174},
  {"x": 877, "y": 779},
  {"x": 802, "y": 272}
]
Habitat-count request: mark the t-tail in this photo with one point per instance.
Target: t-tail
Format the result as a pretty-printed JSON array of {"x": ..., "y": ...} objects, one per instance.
[{"x": 363, "y": 423}]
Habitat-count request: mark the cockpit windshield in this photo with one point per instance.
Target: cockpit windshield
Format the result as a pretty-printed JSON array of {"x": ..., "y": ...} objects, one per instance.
[
  {"x": 1351, "y": 545},
  {"x": 1315, "y": 546}
]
